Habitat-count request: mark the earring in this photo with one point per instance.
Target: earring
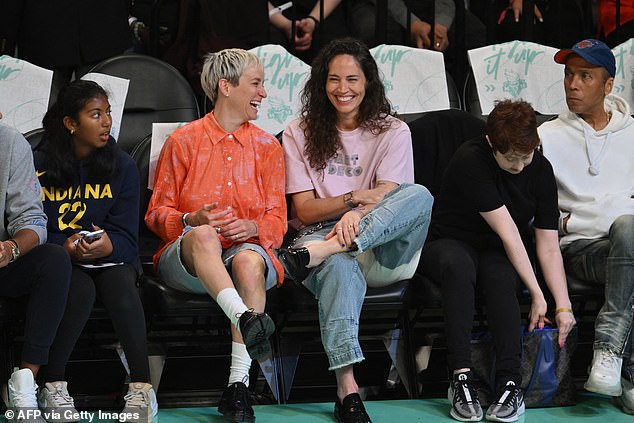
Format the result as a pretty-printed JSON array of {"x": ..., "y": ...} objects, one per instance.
[
  {"x": 72, "y": 131},
  {"x": 226, "y": 94}
]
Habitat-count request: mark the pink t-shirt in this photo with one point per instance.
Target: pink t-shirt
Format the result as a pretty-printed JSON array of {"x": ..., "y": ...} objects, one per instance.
[{"x": 363, "y": 160}]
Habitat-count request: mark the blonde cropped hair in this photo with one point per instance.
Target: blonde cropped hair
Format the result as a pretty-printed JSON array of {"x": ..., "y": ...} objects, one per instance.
[{"x": 226, "y": 64}]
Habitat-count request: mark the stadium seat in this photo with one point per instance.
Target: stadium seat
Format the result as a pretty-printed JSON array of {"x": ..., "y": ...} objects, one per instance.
[{"x": 157, "y": 92}]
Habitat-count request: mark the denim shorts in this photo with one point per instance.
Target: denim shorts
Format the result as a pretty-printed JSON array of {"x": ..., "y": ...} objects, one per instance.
[{"x": 175, "y": 275}]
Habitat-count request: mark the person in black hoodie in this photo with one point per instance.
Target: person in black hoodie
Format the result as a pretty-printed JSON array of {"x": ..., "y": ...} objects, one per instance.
[{"x": 89, "y": 184}]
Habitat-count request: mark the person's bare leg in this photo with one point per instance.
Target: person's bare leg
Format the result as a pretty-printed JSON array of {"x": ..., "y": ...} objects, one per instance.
[
  {"x": 321, "y": 250},
  {"x": 346, "y": 384},
  {"x": 248, "y": 269},
  {"x": 201, "y": 253}
]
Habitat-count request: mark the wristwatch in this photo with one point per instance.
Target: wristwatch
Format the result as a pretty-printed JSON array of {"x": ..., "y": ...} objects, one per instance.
[
  {"x": 15, "y": 250},
  {"x": 347, "y": 199}
]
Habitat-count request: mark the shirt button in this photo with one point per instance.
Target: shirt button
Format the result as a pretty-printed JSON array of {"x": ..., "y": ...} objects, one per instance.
[
  {"x": 229, "y": 158},
  {"x": 229, "y": 183},
  {"x": 230, "y": 136}
]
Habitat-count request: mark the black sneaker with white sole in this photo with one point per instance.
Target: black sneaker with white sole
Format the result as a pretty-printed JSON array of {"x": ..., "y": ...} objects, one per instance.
[
  {"x": 465, "y": 406},
  {"x": 509, "y": 406}
]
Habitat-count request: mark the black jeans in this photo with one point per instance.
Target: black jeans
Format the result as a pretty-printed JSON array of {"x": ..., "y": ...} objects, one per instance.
[
  {"x": 459, "y": 267},
  {"x": 117, "y": 290},
  {"x": 44, "y": 275}
]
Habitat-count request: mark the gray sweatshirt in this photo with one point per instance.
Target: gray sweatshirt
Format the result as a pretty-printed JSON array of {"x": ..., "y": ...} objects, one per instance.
[{"x": 20, "y": 191}]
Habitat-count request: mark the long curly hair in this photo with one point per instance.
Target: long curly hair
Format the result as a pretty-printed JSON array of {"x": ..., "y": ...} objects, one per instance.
[
  {"x": 319, "y": 116},
  {"x": 60, "y": 151}
]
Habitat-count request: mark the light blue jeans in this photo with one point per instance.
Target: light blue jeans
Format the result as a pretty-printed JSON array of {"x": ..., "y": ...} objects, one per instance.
[
  {"x": 609, "y": 261},
  {"x": 395, "y": 230}
]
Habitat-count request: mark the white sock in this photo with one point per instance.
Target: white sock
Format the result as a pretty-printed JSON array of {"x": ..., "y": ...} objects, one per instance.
[
  {"x": 240, "y": 364},
  {"x": 230, "y": 302}
]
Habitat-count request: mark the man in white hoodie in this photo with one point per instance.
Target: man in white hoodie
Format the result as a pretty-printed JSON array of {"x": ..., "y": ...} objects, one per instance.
[{"x": 591, "y": 149}]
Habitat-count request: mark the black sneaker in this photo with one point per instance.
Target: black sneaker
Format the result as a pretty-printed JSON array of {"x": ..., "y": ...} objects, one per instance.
[
  {"x": 235, "y": 403},
  {"x": 509, "y": 406},
  {"x": 256, "y": 328},
  {"x": 463, "y": 396},
  {"x": 351, "y": 410}
]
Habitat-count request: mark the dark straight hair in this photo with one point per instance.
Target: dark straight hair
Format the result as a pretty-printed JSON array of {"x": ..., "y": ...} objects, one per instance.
[{"x": 60, "y": 151}]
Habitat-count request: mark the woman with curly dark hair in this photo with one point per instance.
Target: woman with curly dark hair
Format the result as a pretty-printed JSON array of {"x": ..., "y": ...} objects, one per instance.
[{"x": 350, "y": 174}]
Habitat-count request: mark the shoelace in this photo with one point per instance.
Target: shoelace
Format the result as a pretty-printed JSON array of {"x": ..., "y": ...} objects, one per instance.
[
  {"x": 463, "y": 389},
  {"x": 135, "y": 398},
  {"x": 61, "y": 397},
  {"x": 608, "y": 360},
  {"x": 24, "y": 399}
]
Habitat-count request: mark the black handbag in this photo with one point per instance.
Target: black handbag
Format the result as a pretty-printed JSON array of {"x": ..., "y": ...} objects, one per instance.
[
  {"x": 545, "y": 367},
  {"x": 546, "y": 377}
]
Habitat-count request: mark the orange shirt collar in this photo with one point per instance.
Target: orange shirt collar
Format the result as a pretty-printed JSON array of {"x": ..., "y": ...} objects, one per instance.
[{"x": 216, "y": 133}]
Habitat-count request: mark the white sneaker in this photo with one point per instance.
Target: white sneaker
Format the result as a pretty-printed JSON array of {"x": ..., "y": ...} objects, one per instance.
[
  {"x": 140, "y": 404},
  {"x": 605, "y": 374},
  {"x": 23, "y": 398},
  {"x": 626, "y": 400},
  {"x": 56, "y": 403}
]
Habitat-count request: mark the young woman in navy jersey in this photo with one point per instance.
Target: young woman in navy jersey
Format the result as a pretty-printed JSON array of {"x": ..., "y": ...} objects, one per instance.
[{"x": 89, "y": 184}]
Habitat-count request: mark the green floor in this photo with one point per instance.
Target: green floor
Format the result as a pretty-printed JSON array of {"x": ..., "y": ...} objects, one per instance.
[{"x": 590, "y": 409}]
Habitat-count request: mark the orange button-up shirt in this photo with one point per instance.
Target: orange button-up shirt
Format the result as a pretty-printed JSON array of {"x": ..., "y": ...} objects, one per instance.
[{"x": 201, "y": 163}]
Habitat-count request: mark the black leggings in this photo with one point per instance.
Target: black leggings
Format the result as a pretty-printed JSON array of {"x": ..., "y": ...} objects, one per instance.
[
  {"x": 457, "y": 266},
  {"x": 44, "y": 274},
  {"x": 116, "y": 287}
]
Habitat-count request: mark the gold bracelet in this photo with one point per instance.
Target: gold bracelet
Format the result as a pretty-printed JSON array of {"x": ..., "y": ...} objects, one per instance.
[{"x": 563, "y": 310}]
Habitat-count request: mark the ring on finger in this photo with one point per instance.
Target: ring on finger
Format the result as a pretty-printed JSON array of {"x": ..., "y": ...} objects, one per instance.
[
  {"x": 350, "y": 226},
  {"x": 217, "y": 228},
  {"x": 339, "y": 229}
]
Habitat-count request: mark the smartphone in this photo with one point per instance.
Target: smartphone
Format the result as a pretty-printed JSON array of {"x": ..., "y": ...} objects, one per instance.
[{"x": 91, "y": 236}]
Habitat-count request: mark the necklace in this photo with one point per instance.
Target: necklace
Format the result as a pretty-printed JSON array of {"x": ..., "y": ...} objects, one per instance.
[{"x": 594, "y": 162}]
